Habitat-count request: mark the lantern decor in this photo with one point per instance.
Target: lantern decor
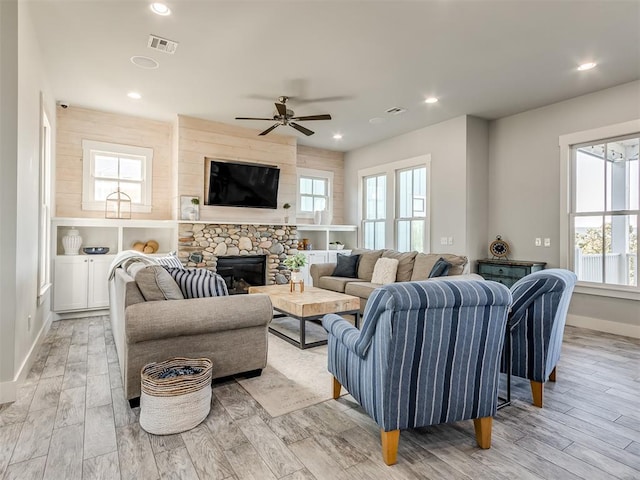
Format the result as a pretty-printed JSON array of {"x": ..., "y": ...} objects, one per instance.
[{"x": 118, "y": 205}]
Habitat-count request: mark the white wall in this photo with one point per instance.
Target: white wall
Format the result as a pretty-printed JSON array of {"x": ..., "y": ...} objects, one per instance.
[
  {"x": 524, "y": 186},
  {"x": 477, "y": 174},
  {"x": 8, "y": 182},
  {"x": 446, "y": 143},
  {"x": 22, "y": 240}
]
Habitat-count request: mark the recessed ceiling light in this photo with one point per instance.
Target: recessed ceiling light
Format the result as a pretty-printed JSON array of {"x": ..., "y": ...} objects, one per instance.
[
  {"x": 587, "y": 66},
  {"x": 144, "y": 62},
  {"x": 134, "y": 95},
  {"x": 337, "y": 136},
  {"x": 431, "y": 100},
  {"x": 160, "y": 9}
]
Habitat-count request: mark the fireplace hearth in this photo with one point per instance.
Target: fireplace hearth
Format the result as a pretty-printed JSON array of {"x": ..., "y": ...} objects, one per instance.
[{"x": 242, "y": 271}]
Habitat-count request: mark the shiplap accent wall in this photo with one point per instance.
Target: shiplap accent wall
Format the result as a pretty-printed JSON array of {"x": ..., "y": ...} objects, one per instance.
[
  {"x": 76, "y": 124},
  {"x": 179, "y": 150}
]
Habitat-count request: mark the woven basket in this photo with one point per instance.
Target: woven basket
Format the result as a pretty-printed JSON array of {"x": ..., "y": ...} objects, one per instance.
[{"x": 174, "y": 405}]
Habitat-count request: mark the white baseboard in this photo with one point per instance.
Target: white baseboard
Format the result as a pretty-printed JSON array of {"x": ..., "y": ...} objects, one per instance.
[
  {"x": 8, "y": 390},
  {"x": 617, "y": 328}
]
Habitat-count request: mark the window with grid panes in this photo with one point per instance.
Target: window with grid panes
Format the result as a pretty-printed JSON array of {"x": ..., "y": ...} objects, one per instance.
[
  {"x": 112, "y": 167},
  {"x": 313, "y": 193},
  {"x": 374, "y": 211},
  {"x": 411, "y": 209}
]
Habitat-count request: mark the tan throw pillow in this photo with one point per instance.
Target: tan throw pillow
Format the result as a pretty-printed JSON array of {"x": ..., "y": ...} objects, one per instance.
[
  {"x": 155, "y": 283},
  {"x": 405, "y": 263},
  {"x": 385, "y": 270},
  {"x": 424, "y": 262},
  {"x": 368, "y": 259}
]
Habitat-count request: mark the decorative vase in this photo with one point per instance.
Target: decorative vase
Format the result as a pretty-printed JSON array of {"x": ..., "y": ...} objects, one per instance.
[
  {"x": 72, "y": 242},
  {"x": 317, "y": 217},
  {"x": 286, "y": 219},
  {"x": 326, "y": 217}
]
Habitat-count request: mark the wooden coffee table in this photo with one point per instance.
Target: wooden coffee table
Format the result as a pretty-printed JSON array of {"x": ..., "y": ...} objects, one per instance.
[{"x": 312, "y": 304}]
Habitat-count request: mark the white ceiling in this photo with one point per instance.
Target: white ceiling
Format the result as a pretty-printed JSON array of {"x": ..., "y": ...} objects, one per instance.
[{"x": 484, "y": 58}]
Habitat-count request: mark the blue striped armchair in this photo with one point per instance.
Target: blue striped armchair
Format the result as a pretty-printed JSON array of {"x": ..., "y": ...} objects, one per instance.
[
  {"x": 537, "y": 319},
  {"x": 428, "y": 353}
]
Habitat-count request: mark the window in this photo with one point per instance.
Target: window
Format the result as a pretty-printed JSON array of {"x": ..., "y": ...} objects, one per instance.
[
  {"x": 375, "y": 207},
  {"x": 314, "y": 190},
  {"x": 109, "y": 167},
  {"x": 411, "y": 209},
  {"x": 44, "y": 241},
  {"x": 605, "y": 208},
  {"x": 395, "y": 203}
]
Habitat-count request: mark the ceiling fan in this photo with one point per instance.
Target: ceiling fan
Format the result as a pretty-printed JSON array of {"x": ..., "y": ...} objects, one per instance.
[{"x": 285, "y": 116}]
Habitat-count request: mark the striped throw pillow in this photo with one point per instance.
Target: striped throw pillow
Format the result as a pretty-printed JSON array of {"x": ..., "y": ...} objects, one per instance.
[
  {"x": 199, "y": 282},
  {"x": 171, "y": 261}
]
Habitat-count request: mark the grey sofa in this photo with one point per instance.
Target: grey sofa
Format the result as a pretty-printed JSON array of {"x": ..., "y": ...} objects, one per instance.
[
  {"x": 411, "y": 266},
  {"x": 231, "y": 331}
]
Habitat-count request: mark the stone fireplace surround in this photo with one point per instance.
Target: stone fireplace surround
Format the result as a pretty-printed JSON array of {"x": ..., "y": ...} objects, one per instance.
[{"x": 201, "y": 243}]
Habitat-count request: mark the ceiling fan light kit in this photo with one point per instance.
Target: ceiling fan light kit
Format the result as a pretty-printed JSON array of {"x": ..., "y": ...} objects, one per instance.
[{"x": 285, "y": 116}]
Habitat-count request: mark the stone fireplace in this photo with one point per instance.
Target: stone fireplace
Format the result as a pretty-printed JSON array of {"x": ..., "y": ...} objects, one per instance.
[
  {"x": 242, "y": 271},
  {"x": 203, "y": 244}
]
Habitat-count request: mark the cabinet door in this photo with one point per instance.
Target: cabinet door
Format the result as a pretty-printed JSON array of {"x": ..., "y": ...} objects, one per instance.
[
  {"x": 98, "y": 282},
  {"x": 70, "y": 283}
]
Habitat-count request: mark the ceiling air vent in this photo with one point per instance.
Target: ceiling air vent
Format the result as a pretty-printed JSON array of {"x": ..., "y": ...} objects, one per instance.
[
  {"x": 163, "y": 44},
  {"x": 396, "y": 110}
]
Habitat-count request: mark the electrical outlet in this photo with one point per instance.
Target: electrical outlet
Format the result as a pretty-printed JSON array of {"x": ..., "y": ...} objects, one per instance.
[
  {"x": 547, "y": 242},
  {"x": 443, "y": 240},
  {"x": 450, "y": 241},
  {"x": 538, "y": 242}
]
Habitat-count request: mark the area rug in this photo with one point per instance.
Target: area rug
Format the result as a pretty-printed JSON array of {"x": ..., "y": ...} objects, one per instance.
[{"x": 293, "y": 378}]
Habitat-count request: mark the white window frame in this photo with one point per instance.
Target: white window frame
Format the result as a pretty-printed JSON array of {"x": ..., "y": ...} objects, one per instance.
[
  {"x": 44, "y": 202},
  {"x": 398, "y": 218},
  {"x": 390, "y": 170},
  {"x": 90, "y": 148},
  {"x": 566, "y": 143},
  {"x": 326, "y": 175},
  {"x": 373, "y": 221}
]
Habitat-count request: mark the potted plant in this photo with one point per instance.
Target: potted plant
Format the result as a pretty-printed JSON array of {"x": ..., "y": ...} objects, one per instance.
[
  {"x": 286, "y": 207},
  {"x": 294, "y": 263},
  {"x": 194, "y": 214}
]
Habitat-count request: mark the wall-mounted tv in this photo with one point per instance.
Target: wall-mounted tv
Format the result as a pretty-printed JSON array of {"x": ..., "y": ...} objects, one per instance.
[{"x": 235, "y": 184}]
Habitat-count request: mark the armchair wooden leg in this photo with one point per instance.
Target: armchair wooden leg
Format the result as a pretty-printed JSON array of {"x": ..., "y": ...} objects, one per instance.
[
  {"x": 336, "y": 388},
  {"x": 482, "y": 427},
  {"x": 552, "y": 375},
  {"x": 390, "y": 442},
  {"x": 536, "y": 393}
]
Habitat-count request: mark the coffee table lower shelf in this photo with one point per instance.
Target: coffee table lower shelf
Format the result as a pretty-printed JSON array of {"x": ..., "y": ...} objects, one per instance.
[{"x": 301, "y": 340}]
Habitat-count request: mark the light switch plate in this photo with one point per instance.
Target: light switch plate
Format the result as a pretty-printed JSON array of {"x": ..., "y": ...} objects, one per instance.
[
  {"x": 547, "y": 242},
  {"x": 538, "y": 242}
]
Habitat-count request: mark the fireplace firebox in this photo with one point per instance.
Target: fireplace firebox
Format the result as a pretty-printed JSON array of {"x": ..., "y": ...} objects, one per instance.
[{"x": 242, "y": 271}]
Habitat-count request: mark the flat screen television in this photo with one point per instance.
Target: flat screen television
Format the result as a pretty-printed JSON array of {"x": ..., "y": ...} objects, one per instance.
[{"x": 241, "y": 184}]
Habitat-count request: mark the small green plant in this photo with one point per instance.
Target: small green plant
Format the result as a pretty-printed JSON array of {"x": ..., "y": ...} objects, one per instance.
[
  {"x": 294, "y": 262},
  {"x": 195, "y": 201},
  {"x": 286, "y": 206}
]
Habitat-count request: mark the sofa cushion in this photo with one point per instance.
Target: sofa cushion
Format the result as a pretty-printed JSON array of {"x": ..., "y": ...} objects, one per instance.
[
  {"x": 155, "y": 284},
  {"x": 440, "y": 269},
  {"x": 368, "y": 259},
  {"x": 405, "y": 263},
  {"x": 384, "y": 271},
  {"x": 361, "y": 289},
  {"x": 199, "y": 282},
  {"x": 346, "y": 266},
  {"x": 424, "y": 262},
  {"x": 336, "y": 284}
]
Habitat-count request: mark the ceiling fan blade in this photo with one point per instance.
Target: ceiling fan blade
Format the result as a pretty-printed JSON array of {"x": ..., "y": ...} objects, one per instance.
[
  {"x": 313, "y": 117},
  {"x": 300, "y": 128},
  {"x": 282, "y": 109},
  {"x": 269, "y": 129},
  {"x": 253, "y": 118},
  {"x": 337, "y": 98}
]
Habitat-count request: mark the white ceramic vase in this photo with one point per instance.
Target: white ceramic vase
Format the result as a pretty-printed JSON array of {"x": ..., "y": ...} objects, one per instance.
[
  {"x": 296, "y": 276},
  {"x": 72, "y": 242},
  {"x": 317, "y": 217}
]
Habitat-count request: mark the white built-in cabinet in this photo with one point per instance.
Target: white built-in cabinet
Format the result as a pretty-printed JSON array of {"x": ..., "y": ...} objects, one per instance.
[
  {"x": 81, "y": 281},
  {"x": 321, "y": 238}
]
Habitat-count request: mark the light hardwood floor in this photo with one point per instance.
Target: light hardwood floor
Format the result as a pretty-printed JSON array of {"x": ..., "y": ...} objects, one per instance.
[{"x": 71, "y": 421}]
